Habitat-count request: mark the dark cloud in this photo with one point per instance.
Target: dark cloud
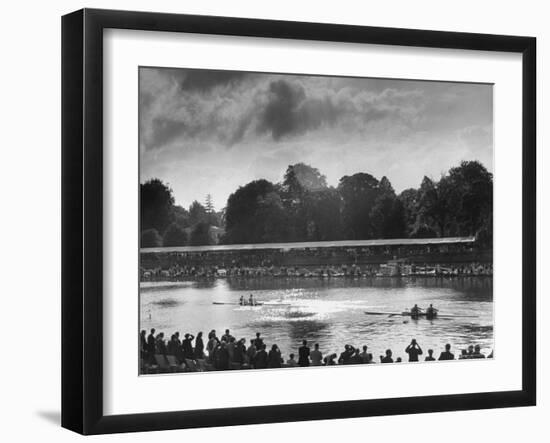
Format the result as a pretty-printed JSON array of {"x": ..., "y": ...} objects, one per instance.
[
  {"x": 278, "y": 117},
  {"x": 290, "y": 112},
  {"x": 204, "y": 80}
]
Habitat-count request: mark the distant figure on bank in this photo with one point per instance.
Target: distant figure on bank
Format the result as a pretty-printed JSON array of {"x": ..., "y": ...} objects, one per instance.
[
  {"x": 241, "y": 300},
  {"x": 463, "y": 354},
  {"x": 303, "y": 354},
  {"x": 251, "y": 300},
  {"x": 316, "y": 356},
  {"x": 430, "y": 356},
  {"x": 387, "y": 358},
  {"x": 470, "y": 351},
  {"x": 291, "y": 363},
  {"x": 447, "y": 354},
  {"x": 274, "y": 359},
  {"x": 414, "y": 350}
]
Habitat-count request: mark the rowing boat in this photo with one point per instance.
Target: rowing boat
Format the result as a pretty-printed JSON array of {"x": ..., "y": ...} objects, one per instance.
[
  {"x": 260, "y": 303},
  {"x": 420, "y": 314},
  {"x": 236, "y": 304}
]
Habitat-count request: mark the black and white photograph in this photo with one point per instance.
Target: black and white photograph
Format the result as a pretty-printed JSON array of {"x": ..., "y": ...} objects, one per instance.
[{"x": 293, "y": 221}]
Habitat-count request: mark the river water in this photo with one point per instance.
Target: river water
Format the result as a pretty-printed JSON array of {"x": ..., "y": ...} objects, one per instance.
[{"x": 328, "y": 312}]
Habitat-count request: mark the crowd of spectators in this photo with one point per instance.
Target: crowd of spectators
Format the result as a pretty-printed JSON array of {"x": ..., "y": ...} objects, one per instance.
[
  {"x": 429, "y": 259},
  {"x": 179, "y": 272},
  {"x": 226, "y": 352}
]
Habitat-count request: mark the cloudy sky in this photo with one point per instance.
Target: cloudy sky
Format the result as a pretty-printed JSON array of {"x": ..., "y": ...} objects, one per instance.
[{"x": 205, "y": 131}]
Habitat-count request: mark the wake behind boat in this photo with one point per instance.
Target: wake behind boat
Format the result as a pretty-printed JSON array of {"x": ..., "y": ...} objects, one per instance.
[{"x": 256, "y": 303}]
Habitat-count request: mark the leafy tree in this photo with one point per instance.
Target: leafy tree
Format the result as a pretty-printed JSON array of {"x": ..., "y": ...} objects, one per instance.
[
  {"x": 156, "y": 202},
  {"x": 300, "y": 178},
  {"x": 471, "y": 197},
  {"x": 181, "y": 216},
  {"x": 409, "y": 200},
  {"x": 359, "y": 193},
  {"x": 150, "y": 238},
  {"x": 300, "y": 185},
  {"x": 200, "y": 235},
  {"x": 175, "y": 235},
  {"x": 325, "y": 215},
  {"x": 197, "y": 213},
  {"x": 271, "y": 219},
  {"x": 246, "y": 212},
  {"x": 434, "y": 205},
  {"x": 208, "y": 204}
]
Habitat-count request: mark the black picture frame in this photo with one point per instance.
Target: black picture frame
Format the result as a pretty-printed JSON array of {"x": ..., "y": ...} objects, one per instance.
[{"x": 82, "y": 218}]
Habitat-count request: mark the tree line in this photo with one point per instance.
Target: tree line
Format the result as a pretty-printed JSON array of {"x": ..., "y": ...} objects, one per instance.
[{"x": 303, "y": 207}]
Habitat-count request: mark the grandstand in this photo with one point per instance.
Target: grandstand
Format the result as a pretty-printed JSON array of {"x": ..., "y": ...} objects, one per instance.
[{"x": 312, "y": 255}]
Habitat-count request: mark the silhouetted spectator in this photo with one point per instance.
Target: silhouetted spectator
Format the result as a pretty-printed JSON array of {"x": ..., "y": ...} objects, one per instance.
[
  {"x": 355, "y": 359},
  {"x": 447, "y": 354},
  {"x": 477, "y": 352},
  {"x": 151, "y": 346},
  {"x": 387, "y": 358},
  {"x": 143, "y": 344},
  {"x": 187, "y": 346},
  {"x": 260, "y": 359},
  {"x": 303, "y": 354},
  {"x": 316, "y": 356},
  {"x": 274, "y": 359},
  {"x": 160, "y": 344},
  {"x": 199, "y": 346},
  {"x": 258, "y": 342},
  {"x": 227, "y": 336},
  {"x": 414, "y": 350},
  {"x": 291, "y": 363},
  {"x": 430, "y": 356},
  {"x": 251, "y": 352},
  {"x": 330, "y": 360},
  {"x": 239, "y": 355}
]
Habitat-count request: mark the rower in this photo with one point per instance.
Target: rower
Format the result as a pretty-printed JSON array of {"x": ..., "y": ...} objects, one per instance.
[
  {"x": 415, "y": 311},
  {"x": 431, "y": 312},
  {"x": 241, "y": 300},
  {"x": 251, "y": 300}
]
